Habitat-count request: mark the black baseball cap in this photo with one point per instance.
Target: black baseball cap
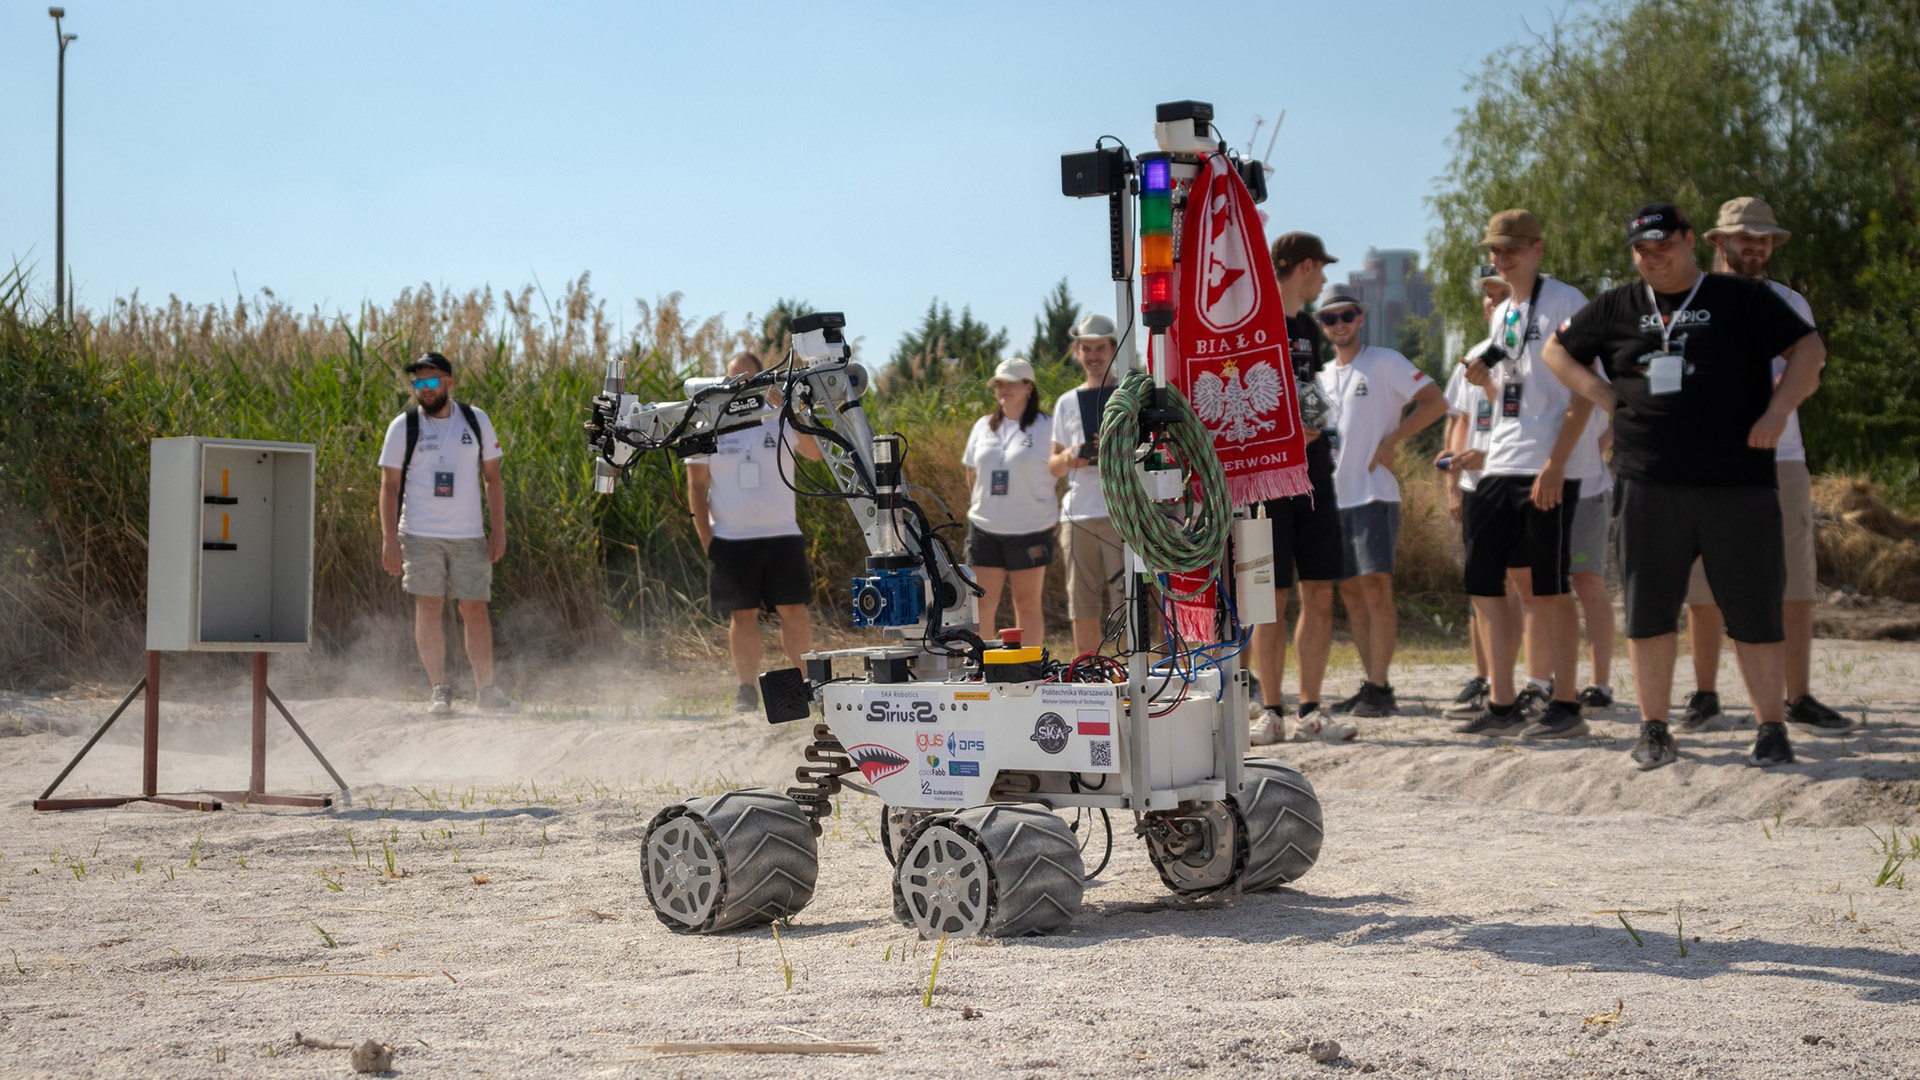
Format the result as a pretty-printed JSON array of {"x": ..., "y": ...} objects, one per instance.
[
  {"x": 1656, "y": 221},
  {"x": 431, "y": 360}
]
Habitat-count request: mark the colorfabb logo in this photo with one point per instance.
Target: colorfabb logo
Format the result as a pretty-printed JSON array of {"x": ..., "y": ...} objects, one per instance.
[
  {"x": 1051, "y": 732},
  {"x": 876, "y": 762}
]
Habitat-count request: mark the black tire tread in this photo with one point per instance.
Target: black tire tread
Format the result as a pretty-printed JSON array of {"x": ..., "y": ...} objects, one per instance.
[
  {"x": 1284, "y": 827},
  {"x": 770, "y": 859}
]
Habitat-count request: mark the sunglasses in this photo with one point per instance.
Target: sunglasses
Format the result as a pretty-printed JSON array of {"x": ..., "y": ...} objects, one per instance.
[
  {"x": 1512, "y": 321},
  {"x": 427, "y": 384},
  {"x": 1335, "y": 318}
]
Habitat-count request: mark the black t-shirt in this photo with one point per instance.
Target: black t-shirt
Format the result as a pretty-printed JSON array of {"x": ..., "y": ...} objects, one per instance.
[
  {"x": 1728, "y": 337},
  {"x": 1303, "y": 350}
]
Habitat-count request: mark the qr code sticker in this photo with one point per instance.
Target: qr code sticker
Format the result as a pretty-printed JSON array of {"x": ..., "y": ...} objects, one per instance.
[{"x": 1099, "y": 753}]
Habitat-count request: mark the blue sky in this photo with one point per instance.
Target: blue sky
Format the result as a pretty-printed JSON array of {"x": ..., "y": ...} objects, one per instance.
[{"x": 862, "y": 157}]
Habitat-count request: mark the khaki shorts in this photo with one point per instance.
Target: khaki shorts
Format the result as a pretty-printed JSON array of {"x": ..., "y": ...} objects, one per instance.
[
  {"x": 1796, "y": 518},
  {"x": 436, "y": 566},
  {"x": 1091, "y": 549}
]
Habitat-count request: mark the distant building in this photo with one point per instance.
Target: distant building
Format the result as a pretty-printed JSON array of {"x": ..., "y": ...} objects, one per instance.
[{"x": 1391, "y": 287}]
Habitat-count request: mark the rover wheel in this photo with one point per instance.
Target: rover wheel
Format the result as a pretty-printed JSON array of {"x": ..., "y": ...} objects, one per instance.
[
  {"x": 1281, "y": 816},
  {"x": 896, "y": 824},
  {"x": 744, "y": 858},
  {"x": 1196, "y": 848},
  {"x": 1003, "y": 870}
]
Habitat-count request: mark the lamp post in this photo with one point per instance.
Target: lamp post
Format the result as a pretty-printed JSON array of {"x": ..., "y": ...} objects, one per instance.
[{"x": 60, "y": 168}]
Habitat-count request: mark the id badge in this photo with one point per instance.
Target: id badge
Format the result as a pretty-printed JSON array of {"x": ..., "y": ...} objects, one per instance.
[
  {"x": 443, "y": 485},
  {"x": 997, "y": 482},
  {"x": 1664, "y": 372},
  {"x": 749, "y": 474},
  {"x": 1510, "y": 399}
]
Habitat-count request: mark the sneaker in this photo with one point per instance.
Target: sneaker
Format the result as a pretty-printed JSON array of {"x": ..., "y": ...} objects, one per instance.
[
  {"x": 1596, "y": 697},
  {"x": 1560, "y": 720},
  {"x": 1770, "y": 747},
  {"x": 494, "y": 699},
  {"x": 1655, "y": 747},
  {"x": 1702, "y": 707},
  {"x": 747, "y": 700},
  {"x": 1824, "y": 721},
  {"x": 1347, "y": 704},
  {"x": 1375, "y": 701},
  {"x": 1491, "y": 723},
  {"x": 1269, "y": 728},
  {"x": 440, "y": 702},
  {"x": 1317, "y": 726},
  {"x": 1469, "y": 702},
  {"x": 1533, "y": 700}
]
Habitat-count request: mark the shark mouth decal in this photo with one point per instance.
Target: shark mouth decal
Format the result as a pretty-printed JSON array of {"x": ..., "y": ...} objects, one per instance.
[{"x": 876, "y": 762}]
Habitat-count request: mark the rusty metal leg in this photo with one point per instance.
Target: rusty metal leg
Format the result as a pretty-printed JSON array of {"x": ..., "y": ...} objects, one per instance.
[
  {"x": 150, "y": 738},
  {"x": 345, "y": 798},
  {"x": 257, "y": 782}
]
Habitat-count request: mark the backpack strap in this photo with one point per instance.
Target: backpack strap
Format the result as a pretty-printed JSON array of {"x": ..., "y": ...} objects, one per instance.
[
  {"x": 413, "y": 436},
  {"x": 473, "y": 422}
]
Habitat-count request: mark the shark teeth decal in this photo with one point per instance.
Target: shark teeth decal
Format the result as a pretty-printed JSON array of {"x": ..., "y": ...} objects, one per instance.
[{"x": 876, "y": 762}]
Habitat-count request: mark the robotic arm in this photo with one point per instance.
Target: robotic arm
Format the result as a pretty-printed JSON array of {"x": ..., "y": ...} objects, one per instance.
[{"x": 913, "y": 587}]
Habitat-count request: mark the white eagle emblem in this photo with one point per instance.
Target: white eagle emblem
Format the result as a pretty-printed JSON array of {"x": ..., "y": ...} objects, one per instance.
[{"x": 1233, "y": 410}]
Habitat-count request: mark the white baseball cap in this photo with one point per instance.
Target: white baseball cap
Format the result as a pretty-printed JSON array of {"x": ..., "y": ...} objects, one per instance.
[{"x": 1013, "y": 369}]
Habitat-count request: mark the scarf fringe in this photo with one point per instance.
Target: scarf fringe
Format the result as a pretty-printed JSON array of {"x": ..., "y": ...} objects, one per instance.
[{"x": 1282, "y": 483}]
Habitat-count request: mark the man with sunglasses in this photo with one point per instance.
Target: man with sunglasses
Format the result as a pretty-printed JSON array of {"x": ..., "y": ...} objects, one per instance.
[
  {"x": 1367, "y": 390},
  {"x": 1697, "y": 415},
  {"x": 436, "y": 457},
  {"x": 1306, "y": 528},
  {"x": 1538, "y": 454}
]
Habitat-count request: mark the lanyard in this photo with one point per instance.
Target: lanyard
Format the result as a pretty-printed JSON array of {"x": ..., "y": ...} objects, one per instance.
[
  {"x": 1667, "y": 324},
  {"x": 1523, "y": 321}
]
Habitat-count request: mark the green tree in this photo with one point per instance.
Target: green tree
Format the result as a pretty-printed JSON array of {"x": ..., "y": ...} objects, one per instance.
[
  {"x": 1053, "y": 328},
  {"x": 943, "y": 349}
]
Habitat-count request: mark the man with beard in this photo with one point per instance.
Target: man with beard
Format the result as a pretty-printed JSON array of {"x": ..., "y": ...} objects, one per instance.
[
  {"x": 1306, "y": 528},
  {"x": 433, "y": 463},
  {"x": 1744, "y": 241},
  {"x": 1089, "y": 544},
  {"x": 1697, "y": 414}
]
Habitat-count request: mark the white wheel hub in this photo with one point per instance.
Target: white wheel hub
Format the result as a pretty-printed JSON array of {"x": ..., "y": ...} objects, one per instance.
[{"x": 943, "y": 879}]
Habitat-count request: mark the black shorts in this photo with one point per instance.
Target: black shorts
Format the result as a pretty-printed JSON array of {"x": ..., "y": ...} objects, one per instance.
[
  {"x": 765, "y": 573},
  {"x": 1022, "y": 552},
  {"x": 1736, "y": 534},
  {"x": 1499, "y": 520},
  {"x": 1306, "y": 533}
]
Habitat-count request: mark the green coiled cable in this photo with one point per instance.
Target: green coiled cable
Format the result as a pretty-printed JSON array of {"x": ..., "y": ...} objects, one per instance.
[{"x": 1164, "y": 543}]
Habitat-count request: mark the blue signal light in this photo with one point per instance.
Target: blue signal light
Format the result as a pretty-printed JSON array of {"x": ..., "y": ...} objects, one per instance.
[{"x": 1156, "y": 175}]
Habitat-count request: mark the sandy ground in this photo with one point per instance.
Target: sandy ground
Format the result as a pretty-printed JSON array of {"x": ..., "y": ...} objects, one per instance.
[{"x": 1465, "y": 919}]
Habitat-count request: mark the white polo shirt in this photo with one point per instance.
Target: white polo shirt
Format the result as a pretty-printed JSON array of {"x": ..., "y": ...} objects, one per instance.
[
  {"x": 746, "y": 497},
  {"x": 1365, "y": 399}
]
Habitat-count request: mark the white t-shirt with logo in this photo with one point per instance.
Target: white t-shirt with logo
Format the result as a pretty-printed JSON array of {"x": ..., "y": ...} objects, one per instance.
[
  {"x": 1013, "y": 493},
  {"x": 1468, "y": 400},
  {"x": 1084, "y": 499},
  {"x": 1792, "y": 446},
  {"x": 747, "y": 499},
  {"x": 441, "y": 498},
  {"x": 1365, "y": 400},
  {"x": 1529, "y": 400}
]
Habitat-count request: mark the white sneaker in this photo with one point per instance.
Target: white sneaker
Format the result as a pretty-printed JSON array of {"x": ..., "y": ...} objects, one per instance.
[
  {"x": 1264, "y": 731},
  {"x": 1317, "y": 726},
  {"x": 441, "y": 703}
]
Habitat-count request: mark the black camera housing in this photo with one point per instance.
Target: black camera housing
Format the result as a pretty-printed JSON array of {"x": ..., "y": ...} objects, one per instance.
[{"x": 1099, "y": 171}]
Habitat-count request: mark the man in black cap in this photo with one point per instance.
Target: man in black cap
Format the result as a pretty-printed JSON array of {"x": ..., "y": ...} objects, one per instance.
[
  {"x": 436, "y": 457},
  {"x": 1306, "y": 528},
  {"x": 1697, "y": 415}
]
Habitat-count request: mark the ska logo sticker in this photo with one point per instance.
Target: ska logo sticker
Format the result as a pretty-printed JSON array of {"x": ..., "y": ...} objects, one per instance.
[
  {"x": 876, "y": 762},
  {"x": 1361, "y": 391},
  {"x": 1051, "y": 732},
  {"x": 466, "y": 438}
]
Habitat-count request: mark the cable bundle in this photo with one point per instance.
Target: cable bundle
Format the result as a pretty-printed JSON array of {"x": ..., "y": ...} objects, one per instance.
[{"x": 1165, "y": 544}]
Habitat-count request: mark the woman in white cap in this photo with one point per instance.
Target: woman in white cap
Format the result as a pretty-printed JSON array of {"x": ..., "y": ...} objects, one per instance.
[{"x": 1014, "y": 507}]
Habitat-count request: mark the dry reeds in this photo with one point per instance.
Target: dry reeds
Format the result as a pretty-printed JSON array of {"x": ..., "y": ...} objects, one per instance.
[{"x": 1864, "y": 543}]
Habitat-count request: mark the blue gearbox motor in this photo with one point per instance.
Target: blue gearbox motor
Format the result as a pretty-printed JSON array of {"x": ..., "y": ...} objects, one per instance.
[{"x": 891, "y": 596}]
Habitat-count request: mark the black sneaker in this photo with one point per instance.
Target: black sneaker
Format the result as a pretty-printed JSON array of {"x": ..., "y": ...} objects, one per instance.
[
  {"x": 1770, "y": 747},
  {"x": 1655, "y": 747},
  {"x": 1596, "y": 697},
  {"x": 1491, "y": 723},
  {"x": 1347, "y": 704},
  {"x": 1824, "y": 721},
  {"x": 1470, "y": 702},
  {"x": 1560, "y": 720},
  {"x": 1375, "y": 701},
  {"x": 1702, "y": 707},
  {"x": 1533, "y": 700}
]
